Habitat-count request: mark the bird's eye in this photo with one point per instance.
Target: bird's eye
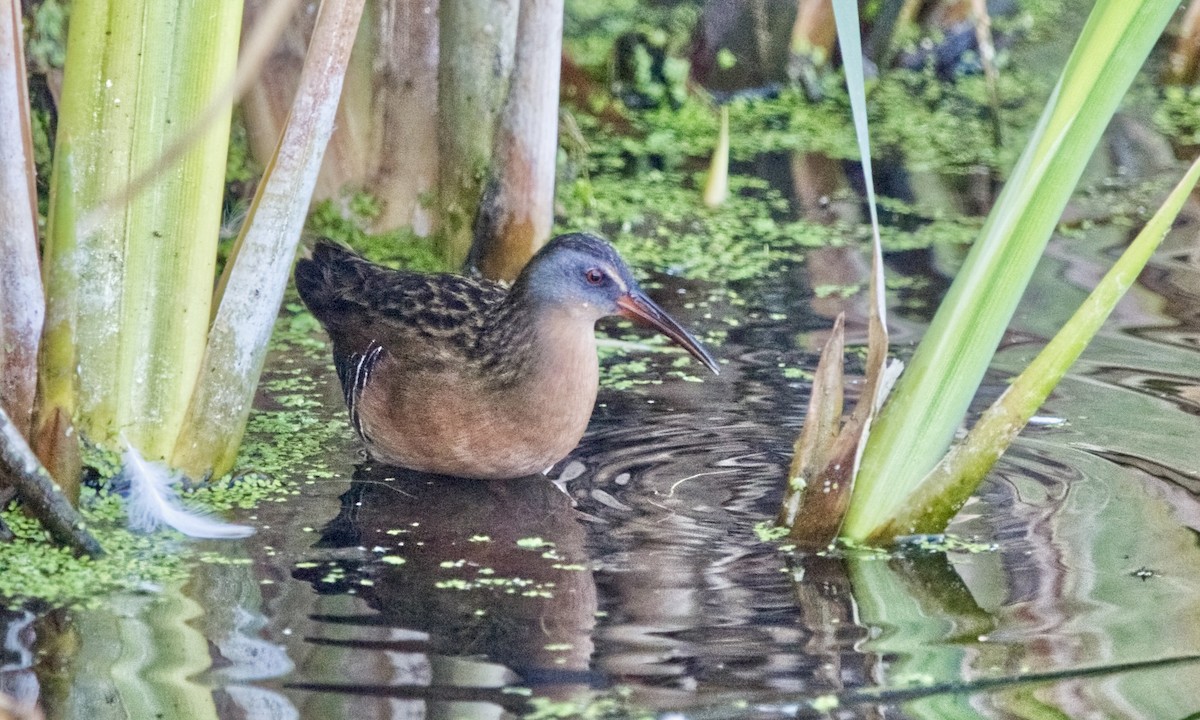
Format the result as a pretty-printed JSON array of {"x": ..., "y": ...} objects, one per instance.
[{"x": 594, "y": 276}]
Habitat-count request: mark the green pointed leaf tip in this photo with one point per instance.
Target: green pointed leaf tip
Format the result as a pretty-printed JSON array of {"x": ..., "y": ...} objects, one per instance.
[{"x": 845, "y": 14}]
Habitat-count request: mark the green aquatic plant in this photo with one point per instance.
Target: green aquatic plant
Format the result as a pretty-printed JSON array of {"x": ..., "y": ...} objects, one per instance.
[
  {"x": 932, "y": 396},
  {"x": 903, "y": 480},
  {"x": 1178, "y": 115},
  {"x": 931, "y": 505},
  {"x": 932, "y": 124},
  {"x": 137, "y": 348}
]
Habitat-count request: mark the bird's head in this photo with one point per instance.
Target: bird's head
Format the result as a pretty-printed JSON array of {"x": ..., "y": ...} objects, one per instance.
[{"x": 583, "y": 275}]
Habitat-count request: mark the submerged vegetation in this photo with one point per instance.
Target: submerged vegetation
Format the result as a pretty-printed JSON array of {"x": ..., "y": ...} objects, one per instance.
[{"x": 287, "y": 446}]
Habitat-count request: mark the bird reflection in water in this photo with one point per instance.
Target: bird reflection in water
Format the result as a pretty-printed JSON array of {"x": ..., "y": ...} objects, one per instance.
[{"x": 495, "y": 570}]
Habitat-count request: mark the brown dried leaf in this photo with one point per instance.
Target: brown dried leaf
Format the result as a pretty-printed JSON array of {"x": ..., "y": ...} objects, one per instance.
[
  {"x": 813, "y": 447},
  {"x": 821, "y": 480}
]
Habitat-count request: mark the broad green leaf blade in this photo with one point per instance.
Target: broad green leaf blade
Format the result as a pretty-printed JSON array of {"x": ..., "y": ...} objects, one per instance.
[
  {"x": 130, "y": 286},
  {"x": 949, "y": 485},
  {"x": 269, "y": 26},
  {"x": 916, "y": 427}
]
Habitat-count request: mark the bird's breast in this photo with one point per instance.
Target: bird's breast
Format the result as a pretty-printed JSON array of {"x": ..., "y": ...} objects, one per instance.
[{"x": 459, "y": 421}]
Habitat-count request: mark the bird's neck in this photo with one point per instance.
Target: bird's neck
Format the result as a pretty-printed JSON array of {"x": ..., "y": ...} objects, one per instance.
[
  {"x": 566, "y": 356},
  {"x": 541, "y": 345}
]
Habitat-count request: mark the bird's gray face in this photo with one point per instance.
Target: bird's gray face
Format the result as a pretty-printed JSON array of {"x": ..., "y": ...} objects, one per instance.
[
  {"x": 583, "y": 276},
  {"x": 585, "y": 285}
]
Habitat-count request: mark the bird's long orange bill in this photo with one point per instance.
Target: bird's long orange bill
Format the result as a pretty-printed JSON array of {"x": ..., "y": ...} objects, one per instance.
[{"x": 639, "y": 307}]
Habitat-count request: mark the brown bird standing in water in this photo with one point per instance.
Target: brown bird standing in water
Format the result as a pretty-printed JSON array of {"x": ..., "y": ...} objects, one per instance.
[{"x": 452, "y": 375}]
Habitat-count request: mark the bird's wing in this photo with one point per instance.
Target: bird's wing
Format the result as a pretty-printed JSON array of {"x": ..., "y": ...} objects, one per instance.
[{"x": 434, "y": 319}]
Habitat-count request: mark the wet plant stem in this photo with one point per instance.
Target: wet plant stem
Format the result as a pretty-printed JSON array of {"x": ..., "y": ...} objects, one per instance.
[
  {"x": 471, "y": 96},
  {"x": 252, "y": 285},
  {"x": 22, "y": 305},
  {"x": 987, "y": 58},
  {"x": 517, "y": 208},
  {"x": 129, "y": 284},
  {"x": 20, "y": 468}
]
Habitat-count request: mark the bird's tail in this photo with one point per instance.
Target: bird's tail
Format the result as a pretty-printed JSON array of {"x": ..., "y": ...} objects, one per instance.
[{"x": 323, "y": 278}]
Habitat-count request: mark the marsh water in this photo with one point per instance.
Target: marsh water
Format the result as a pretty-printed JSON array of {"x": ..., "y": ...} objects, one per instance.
[
  {"x": 630, "y": 580},
  {"x": 634, "y": 580}
]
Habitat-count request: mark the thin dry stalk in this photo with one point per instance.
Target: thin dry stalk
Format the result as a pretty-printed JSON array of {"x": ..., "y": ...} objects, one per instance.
[
  {"x": 22, "y": 303},
  {"x": 987, "y": 58}
]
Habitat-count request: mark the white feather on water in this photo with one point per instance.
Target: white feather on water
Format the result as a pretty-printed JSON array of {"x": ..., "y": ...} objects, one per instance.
[{"x": 154, "y": 503}]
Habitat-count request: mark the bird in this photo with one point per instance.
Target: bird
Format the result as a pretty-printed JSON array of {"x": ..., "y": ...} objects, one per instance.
[{"x": 467, "y": 377}]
